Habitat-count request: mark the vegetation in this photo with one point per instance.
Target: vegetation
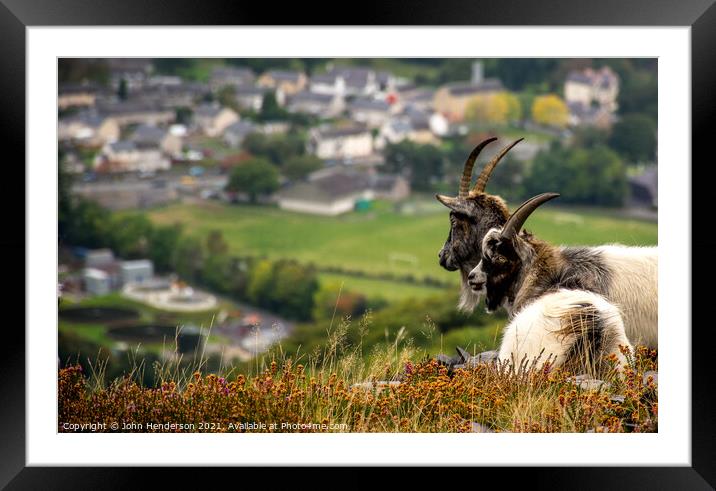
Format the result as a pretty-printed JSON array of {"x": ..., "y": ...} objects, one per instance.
[
  {"x": 550, "y": 110},
  {"x": 298, "y": 395},
  {"x": 254, "y": 177},
  {"x": 382, "y": 241},
  {"x": 586, "y": 176}
]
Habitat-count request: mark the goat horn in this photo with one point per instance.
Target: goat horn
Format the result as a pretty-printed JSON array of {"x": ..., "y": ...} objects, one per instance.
[
  {"x": 521, "y": 214},
  {"x": 469, "y": 164},
  {"x": 487, "y": 170}
]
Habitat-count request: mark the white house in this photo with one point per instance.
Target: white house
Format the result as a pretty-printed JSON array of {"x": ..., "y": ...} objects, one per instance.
[
  {"x": 341, "y": 143},
  {"x": 317, "y": 104},
  {"x": 372, "y": 112},
  {"x": 592, "y": 87},
  {"x": 137, "y": 271},
  {"x": 330, "y": 195},
  {"x": 126, "y": 156},
  {"x": 96, "y": 281}
]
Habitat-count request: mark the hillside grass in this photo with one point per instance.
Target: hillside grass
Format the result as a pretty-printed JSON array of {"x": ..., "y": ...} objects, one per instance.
[{"x": 382, "y": 240}]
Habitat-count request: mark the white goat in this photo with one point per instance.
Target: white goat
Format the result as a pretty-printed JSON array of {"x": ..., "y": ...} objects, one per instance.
[{"x": 566, "y": 302}]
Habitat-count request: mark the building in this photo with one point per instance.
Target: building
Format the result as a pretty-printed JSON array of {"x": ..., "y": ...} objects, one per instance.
[
  {"x": 315, "y": 103},
  {"x": 231, "y": 76},
  {"x": 235, "y": 133},
  {"x": 390, "y": 187},
  {"x": 137, "y": 271},
  {"x": 250, "y": 97},
  {"x": 287, "y": 82},
  {"x": 126, "y": 156},
  {"x": 96, "y": 281},
  {"x": 590, "y": 87},
  {"x": 452, "y": 100},
  {"x": 149, "y": 136},
  {"x": 374, "y": 113},
  {"x": 137, "y": 111},
  {"x": 134, "y": 71},
  {"x": 591, "y": 115},
  {"x": 336, "y": 143},
  {"x": 330, "y": 195},
  {"x": 98, "y": 258},
  {"x": 76, "y": 95},
  {"x": 644, "y": 189},
  {"x": 88, "y": 128},
  {"x": 213, "y": 119}
]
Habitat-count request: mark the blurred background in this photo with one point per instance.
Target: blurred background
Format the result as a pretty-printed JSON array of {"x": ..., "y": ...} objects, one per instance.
[{"x": 225, "y": 207}]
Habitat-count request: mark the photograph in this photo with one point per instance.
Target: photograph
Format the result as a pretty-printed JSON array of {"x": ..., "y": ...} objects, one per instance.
[{"x": 357, "y": 245}]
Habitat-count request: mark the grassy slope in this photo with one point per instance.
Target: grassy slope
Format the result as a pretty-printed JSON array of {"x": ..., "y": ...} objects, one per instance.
[{"x": 380, "y": 241}]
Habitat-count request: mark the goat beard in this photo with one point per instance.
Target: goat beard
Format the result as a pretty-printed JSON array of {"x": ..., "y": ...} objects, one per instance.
[{"x": 469, "y": 299}]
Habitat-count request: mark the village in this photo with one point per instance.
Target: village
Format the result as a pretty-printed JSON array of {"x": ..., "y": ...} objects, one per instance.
[{"x": 149, "y": 139}]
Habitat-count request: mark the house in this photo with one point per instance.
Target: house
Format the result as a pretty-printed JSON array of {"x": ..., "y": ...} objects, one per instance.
[
  {"x": 371, "y": 112},
  {"x": 414, "y": 125},
  {"x": 341, "y": 143},
  {"x": 232, "y": 76},
  {"x": 250, "y": 97},
  {"x": 390, "y": 187},
  {"x": 76, "y": 95},
  {"x": 149, "y": 136},
  {"x": 213, "y": 119},
  {"x": 330, "y": 195},
  {"x": 418, "y": 98},
  {"x": 97, "y": 258},
  {"x": 328, "y": 84},
  {"x": 96, "y": 281},
  {"x": 134, "y": 71},
  {"x": 235, "y": 133},
  {"x": 126, "y": 156},
  {"x": 359, "y": 81},
  {"x": 644, "y": 189},
  {"x": 590, "y": 87},
  {"x": 287, "y": 82},
  {"x": 136, "y": 111},
  {"x": 173, "y": 96},
  {"x": 137, "y": 271},
  {"x": 451, "y": 100},
  {"x": 316, "y": 104},
  {"x": 88, "y": 128},
  {"x": 591, "y": 115}
]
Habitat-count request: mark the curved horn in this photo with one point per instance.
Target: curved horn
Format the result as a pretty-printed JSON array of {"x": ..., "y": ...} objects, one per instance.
[
  {"x": 487, "y": 170},
  {"x": 469, "y": 164},
  {"x": 519, "y": 217}
]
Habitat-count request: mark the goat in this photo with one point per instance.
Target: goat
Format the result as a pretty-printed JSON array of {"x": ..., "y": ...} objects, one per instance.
[
  {"x": 558, "y": 297},
  {"x": 472, "y": 213}
]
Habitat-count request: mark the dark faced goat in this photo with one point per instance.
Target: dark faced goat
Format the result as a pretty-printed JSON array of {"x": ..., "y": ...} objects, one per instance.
[
  {"x": 568, "y": 303},
  {"x": 472, "y": 213}
]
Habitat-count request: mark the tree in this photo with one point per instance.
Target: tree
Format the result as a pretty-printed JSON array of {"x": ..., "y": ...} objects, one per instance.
[
  {"x": 487, "y": 109},
  {"x": 595, "y": 176},
  {"x": 276, "y": 148},
  {"x": 130, "y": 235},
  {"x": 270, "y": 110},
  {"x": 215, "y": 243},
  {"x": 634, "y": 137},
  {"x": 424, "y": 163},
  {"x": 550, "y": 110},
  {"x": 299, "y": 167},
  {"x": 293, "y": 289},
  {"x": 122, "y": 90},
  {"x": 164, "y": 240},
  {"x": 255, "y": 177},
  {"x": 188, "y": 258},
  {"x": 227, "y": 97}
]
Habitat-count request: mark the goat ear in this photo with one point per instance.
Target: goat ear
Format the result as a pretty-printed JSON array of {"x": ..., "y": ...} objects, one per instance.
[{"x": 456, "y": 204}]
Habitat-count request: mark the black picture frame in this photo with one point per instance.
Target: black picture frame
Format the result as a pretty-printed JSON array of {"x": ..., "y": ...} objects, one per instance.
[{"x": 700, "y": 15}]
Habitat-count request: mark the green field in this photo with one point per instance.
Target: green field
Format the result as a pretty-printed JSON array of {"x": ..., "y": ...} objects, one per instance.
[{"x": 382, "y": 240}]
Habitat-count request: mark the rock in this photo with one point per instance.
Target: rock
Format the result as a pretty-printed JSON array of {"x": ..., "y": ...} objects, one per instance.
[
  {"x": 480, "y": 428},
  {"x": 653, "y": 374},
  {"x": 586, "y": 382},
  {"x": 618, "y": 399}
]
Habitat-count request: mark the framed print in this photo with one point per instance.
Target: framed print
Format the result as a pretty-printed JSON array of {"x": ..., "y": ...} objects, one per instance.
[{"x": 246, "y": 239}]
